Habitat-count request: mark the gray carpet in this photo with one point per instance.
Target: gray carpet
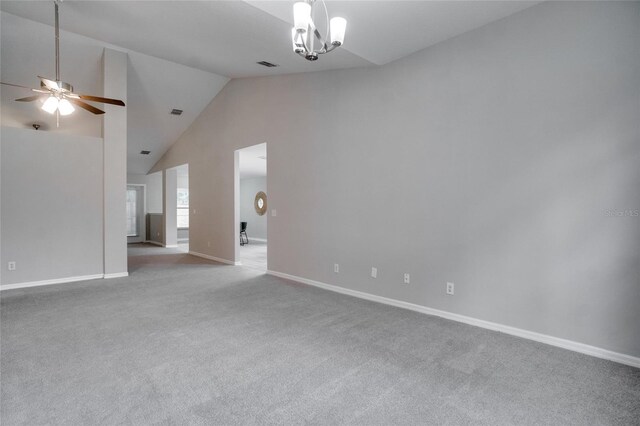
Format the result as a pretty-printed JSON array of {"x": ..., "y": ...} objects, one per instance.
[{"x": 202, "y": 343}]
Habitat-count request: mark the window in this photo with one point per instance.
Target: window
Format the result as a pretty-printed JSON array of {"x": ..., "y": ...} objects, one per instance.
[
  {"x": 132, "y": 212},
  {"x": 183, "y": 208}
]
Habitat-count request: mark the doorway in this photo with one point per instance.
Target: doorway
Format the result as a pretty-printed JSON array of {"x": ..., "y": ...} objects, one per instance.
[
  {"x": 251, "y": 206},
  {"x": 136, "y": 228},
  {"x": 182, "y": 207}
]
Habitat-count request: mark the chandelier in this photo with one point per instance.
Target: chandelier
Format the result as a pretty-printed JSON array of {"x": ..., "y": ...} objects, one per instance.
[{"x": 307, "y": 40}]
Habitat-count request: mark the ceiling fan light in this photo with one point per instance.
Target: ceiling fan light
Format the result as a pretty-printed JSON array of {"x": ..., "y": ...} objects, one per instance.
[
  {"x": 301, "y": 15},
  {"x": 65, "y": 107},
  {"x": 337, "y": 28},
  {"x": 50, "y": 105}
]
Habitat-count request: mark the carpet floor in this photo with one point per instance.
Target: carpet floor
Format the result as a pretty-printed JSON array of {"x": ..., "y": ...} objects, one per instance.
[{"x": 194, "y": 342}]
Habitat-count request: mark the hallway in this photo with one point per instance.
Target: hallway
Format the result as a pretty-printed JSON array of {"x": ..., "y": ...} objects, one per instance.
[{"x": 254, "y": 255}]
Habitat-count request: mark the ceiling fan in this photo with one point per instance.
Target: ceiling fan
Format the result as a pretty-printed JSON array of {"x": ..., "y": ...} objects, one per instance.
[{"x": 59, "y": 95}]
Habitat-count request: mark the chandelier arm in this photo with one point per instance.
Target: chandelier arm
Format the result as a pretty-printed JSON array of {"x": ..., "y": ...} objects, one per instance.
[
  {"x": 326, "y": 15},
  {"x": 321, "y": 40},
  {"x": 303, "y": 37},
  {"x": 332, "y": 47}
]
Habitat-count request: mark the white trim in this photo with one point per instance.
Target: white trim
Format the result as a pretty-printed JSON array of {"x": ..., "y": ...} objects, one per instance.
[
  {"x": 116, "y": 275},
  {"x": 154, "y": 242},
  {"x": 262, "y": 240},
  {"x": 526, "y": 334},
  {"x": 50, "y": 282},
  {"x": 170, "y": 245},
  {"x": 216, "y": 259}
]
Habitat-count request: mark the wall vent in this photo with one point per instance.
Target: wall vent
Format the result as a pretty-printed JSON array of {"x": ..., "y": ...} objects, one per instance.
[
  {"x": 266, "y": 64},
  {"x": 176, "y": 112},
  {"x": 145, "y": 152}
]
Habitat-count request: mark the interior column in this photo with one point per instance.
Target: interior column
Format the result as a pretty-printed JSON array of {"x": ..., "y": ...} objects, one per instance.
[
  {"x": 114, "y": 133},
  {"x": 169, "y": 207}
]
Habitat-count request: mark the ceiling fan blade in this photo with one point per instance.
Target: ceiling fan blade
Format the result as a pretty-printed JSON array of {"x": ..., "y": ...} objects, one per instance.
[
  {"x": 49, "y": 83},
  {"x": 17, "y": 85},
  {"x": 85, "y": 105},
  {"x": 29, "y": 98},
  {"x": 102, "y": 100}
]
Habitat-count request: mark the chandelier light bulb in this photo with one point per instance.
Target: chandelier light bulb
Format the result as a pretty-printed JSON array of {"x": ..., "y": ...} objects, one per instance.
[
  {"x": 50, "y": 105},
  {"x": 301, "y": 15},
  {"x": 65, "y": 107},
  {"x": 337, "y": 27}
]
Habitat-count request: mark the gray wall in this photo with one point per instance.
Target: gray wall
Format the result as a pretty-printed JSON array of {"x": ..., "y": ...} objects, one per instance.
[
  {"x": 256, "y": 225},
  {"x": 489, "y": 160},
  {"x": 51, "y": 199},
  {"x": 153, "y": 193}
]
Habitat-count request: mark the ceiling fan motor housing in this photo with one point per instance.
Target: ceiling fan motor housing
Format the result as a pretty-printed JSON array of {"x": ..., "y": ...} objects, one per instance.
[{"x": 64, "y": 87}]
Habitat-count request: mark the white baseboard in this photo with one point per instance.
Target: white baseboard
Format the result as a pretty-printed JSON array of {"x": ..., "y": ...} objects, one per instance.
[
  {"x": 262, "y": 240},
  {"x": 170, "y": 246},
  {"x": 50, "y": 282},
  {"x": 154, "y": 242},
  {"x": 216, "y": 259},
  {"x": 116, "y": 275},
  {"x": 526, "y": 334}
]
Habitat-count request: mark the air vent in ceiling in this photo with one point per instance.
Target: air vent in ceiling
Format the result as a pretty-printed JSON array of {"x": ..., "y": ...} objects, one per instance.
[
  {"x": 145, "y": 152},
  {"x": 176, "y": 112},
  {"x": 267, "y": 64},
  {"x": 262, "y": 157}
]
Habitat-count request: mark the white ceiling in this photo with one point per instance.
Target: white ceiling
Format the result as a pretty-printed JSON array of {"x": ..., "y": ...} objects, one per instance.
[
  {"x": 183, "y": 52},
  {"x": 229, "y": 37},
  {"x": 155, "y": 87},
  {"x": 253, "y": 161}
]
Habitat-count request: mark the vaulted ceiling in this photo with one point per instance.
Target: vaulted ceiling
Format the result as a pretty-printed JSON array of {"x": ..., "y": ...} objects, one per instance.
[{"x": 183, "y": 52}]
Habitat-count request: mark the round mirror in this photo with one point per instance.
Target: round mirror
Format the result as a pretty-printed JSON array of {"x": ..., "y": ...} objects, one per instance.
[{"x": 260, "y": 203}]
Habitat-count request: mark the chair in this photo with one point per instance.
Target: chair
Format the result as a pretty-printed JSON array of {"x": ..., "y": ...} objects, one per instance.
[{"x": 243, "y": 234}]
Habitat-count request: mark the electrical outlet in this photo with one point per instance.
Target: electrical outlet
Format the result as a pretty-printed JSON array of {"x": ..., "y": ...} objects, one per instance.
[
  {"x": 11, "y": 266},
  {"x": 374, "y": 272},
  {"x": 336, "y": 268},
  {"x": 274, "y": 213},
  {"x": 407, "y": 278},
  {"x": 450, "y": 288},
  {"x": 194, "y": 211},
  {"x": 208, "y": 243}
]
